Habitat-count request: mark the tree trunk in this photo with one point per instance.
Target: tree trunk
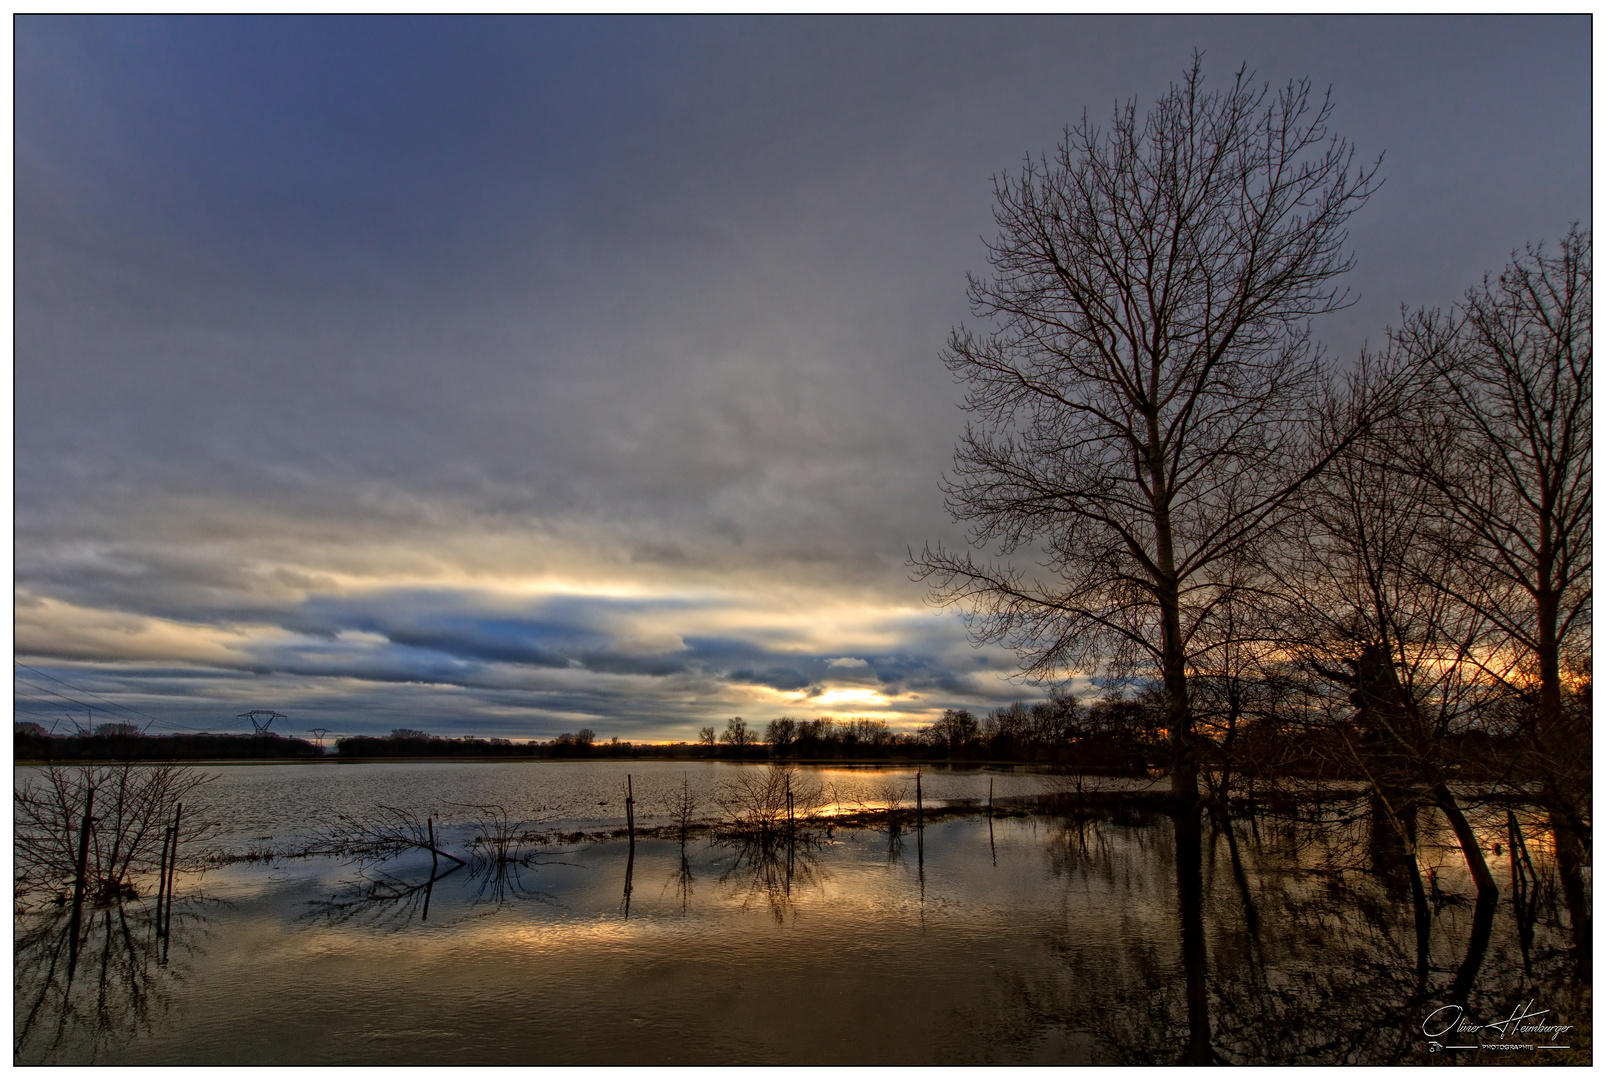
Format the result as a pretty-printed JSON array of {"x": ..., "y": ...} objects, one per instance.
[
  {"x": 1179, "y": 718},
  {"x": 1190, "y": 902},
  {"x": 1570, "y": 856},
  {"x": 1469, "y": 841}
]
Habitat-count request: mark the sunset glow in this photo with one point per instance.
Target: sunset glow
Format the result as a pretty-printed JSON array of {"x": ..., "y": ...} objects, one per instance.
[{"x": 562, "y": 387}]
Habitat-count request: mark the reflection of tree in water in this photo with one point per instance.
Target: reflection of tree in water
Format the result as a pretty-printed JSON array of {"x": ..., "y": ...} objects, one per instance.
[
  {"x": 382, "y": 899},
  {"x": 379, "y": 899},
  {"x": 681, "y": 879},
  {"x": 502, "y": 852},
  {"x": 773, "y": 872},
  {"x": 113, "y": 991},
  {"x": 1311, "y": 950},
  {"x": 95, "y": 844}
]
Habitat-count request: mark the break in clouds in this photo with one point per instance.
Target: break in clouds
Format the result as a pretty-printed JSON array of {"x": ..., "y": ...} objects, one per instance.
[{"x": 512, "y": 377}]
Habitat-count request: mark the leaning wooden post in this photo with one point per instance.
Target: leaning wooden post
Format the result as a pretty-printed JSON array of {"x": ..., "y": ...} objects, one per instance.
[
  {"x": 1533, "y": 876},
  {"x": 434, "y": 859},
  {"x": 83, "y": 870},
  {"x": 989, "y": 796},
  {"x": 920, "y": 821}
]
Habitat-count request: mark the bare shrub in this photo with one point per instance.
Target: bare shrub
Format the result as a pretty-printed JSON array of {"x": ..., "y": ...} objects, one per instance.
[
  {"x": 498, "y": 838},
  {"x": 383, "y": 834},
  {"x": 682, "y": 807},
  {"x": 130, "y": 807},
  {"x": 756, "y": 800},
  {"x": 890, "y": 795}
]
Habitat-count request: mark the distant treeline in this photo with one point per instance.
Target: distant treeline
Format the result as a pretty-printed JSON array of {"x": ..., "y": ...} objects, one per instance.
[
  {"x": 1117, "y": 737},
  {"x": 111, "y": 742}
]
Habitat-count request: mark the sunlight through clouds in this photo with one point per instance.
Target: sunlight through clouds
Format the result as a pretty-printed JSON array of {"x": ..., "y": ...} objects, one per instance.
[{"x": 593, "y": 380}]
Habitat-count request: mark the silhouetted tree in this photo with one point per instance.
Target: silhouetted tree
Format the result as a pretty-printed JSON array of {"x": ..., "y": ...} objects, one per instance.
[
  {"x": 781, "y": 734},
  {"x": 955, "y": 730},
  {"x": 756, "y": 801},
  {"x": 1370, "y": 610},
  {"x": 1513, "y": 466},
  {"x": 737, "y": 734},
  {"x": 1148, "y": 376}
]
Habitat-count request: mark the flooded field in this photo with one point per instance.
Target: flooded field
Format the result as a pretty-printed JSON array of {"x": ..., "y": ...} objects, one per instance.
[{"x": 870, "y": 937}]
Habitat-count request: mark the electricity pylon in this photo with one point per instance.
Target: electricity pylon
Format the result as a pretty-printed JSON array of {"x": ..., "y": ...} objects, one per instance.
[{"x": 261, "y": 719}]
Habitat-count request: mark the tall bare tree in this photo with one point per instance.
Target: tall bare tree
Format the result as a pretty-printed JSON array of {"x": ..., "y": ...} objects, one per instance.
[
  {"x": 1370, "y": 606},
  {"x": 1513, "y": 465},
  {"x": 1147, "y": 378}
]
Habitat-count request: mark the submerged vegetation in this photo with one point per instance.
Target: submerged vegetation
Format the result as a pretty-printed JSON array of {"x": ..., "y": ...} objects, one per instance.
[
  {"x": 101, "y": 831},
  {"x": 1298, "y": 918}
]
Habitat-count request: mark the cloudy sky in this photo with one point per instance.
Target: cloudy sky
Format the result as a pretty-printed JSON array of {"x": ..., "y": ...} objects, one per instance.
[{"x": 508, "y": 377}]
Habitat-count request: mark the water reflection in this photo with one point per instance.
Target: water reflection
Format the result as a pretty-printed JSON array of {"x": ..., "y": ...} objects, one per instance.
[
  {"x": 1097, "y": 935},
  {"x": 113, "y": 987},
  {"x": 1279, "y": 961},
  {"x": 681, "y": 879},
  {"x": 1190, "y": 899},
  {"x": 380, "y": 900},
  {"x": 383, "y": 897},
  {"x": 773, "y": 873}
]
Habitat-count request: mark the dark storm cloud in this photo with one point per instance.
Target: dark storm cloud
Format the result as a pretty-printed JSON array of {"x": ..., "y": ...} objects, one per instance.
[{"x": 339, "y": 327}]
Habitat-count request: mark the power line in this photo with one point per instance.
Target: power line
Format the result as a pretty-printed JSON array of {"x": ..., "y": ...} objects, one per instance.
[
  {"x": 81, "y": 690},
  {"x": 87, "y": 693},
  {"x": 42, "y": 708},
  {"x": 57, "y": 693},
  {"x": 86, "y": 706}
]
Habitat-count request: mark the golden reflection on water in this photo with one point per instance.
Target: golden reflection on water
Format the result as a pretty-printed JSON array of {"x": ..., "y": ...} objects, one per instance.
[{"x": 1011, "y": 940}]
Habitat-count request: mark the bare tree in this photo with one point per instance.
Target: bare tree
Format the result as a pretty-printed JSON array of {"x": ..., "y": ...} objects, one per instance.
[
  {"x": 1520, "y": 383},
  {"x": 1148, "y": 377},
  {"x": 379, "y": 835},
  {"x": 781, "y": 734},
  {"x": 762, "y": 802},
  {"x": 706, "y": 736},
  {"x": 1370, "y": 608},
  {"x": 1236, "y": 672},
  {"x": 737, "y": 733},
  {"x": 1513, "y": 466},
  {"x": 682, "y": 807}
]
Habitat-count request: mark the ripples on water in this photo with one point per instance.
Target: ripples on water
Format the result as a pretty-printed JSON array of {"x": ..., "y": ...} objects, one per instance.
[
  {"x": 1023, "y": 939},
  {"x": 281, "y": 803}
]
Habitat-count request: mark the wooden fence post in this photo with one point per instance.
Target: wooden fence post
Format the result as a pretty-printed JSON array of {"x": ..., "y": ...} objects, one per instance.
[
  {"x": 172, "y": 866},
  {"x": 83, "y": 869},
  {"x": 161, "y": 876}
]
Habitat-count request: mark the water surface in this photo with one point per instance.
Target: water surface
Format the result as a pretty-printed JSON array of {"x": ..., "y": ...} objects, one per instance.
[{"x": 1020, "y": 939}]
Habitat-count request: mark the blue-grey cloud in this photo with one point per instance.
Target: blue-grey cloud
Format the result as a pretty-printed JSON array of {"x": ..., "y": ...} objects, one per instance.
[{"x": 500, "y": 373}]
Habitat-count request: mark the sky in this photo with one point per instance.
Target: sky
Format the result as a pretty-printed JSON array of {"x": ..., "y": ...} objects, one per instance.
[{"x": 512, "y": 376}]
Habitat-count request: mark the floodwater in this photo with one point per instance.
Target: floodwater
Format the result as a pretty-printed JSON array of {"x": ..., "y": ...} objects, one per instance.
[{"x": 1021, "y": 939}]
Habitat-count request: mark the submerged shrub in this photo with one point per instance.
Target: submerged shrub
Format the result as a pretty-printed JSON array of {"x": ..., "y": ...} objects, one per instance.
[
  {"x": 130, "y": 806},
  {"x": 756, "y": 800}
]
